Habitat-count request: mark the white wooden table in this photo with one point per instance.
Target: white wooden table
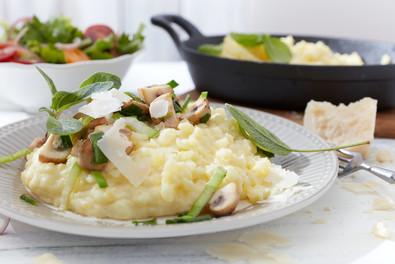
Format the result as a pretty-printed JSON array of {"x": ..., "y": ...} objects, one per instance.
[{"x": 334, "y": 229}]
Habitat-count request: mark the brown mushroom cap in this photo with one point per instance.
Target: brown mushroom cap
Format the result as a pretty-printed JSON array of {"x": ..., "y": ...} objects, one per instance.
[
  {"x": 225, "y": 200},
  {"x": 36, "y": 143},
  {"x": 198, "y": 110},
  {"x": 85, "y": 157},
  {"x": 149, "y": 94},
  {"x": 53, "y": 151}
]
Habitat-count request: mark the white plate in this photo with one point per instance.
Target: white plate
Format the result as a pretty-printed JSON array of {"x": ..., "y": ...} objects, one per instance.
[{"x": 318, "y": 170}]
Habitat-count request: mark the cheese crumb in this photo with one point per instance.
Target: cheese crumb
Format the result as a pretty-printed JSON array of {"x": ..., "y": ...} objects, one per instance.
[
  {"x": 383, "y": 203},
  {"x": 329, "y": 208},
  {"x": 381, "y": 230},
  {"x": 357, "y": 187},
  {"x": 383, "y": 156},
  {"x": 320, "y": 221},
  {"x": 260, "y": 239},
  {"x": 47, "y": 258},
  {"x": 230, "y": 251},
  {"x": 385, "y": 59}
]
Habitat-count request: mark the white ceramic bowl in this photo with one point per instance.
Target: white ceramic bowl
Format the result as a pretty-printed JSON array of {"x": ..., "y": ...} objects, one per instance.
[{"x": 22, "y": 86}]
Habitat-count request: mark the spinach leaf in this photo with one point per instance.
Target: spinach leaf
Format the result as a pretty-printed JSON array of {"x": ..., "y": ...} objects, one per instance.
[
  {"x": 100, "y": 49},
  {"x": 210, "y": 49},
  {"x": 65, "y": 126},
  {"x": 125, "y": 45},
  {"x": 102, "y": 77},
  {"x": 276, "y": 49}
]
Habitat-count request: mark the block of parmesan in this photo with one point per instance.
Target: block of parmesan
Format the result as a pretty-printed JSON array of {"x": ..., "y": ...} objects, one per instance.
[{"x": 343, "y": 124}]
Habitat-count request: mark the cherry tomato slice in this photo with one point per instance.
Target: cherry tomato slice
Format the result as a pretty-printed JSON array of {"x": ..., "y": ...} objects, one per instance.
[
  {"x": 96, "y": 32},
  {"x": 7, "y": 53}
]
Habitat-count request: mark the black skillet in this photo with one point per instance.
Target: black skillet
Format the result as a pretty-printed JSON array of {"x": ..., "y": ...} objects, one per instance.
[{"x": 285, "y": 86}]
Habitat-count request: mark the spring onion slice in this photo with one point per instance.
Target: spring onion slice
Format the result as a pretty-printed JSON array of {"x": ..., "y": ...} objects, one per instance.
[
  {"x": 69, "y": 185},
  {"x": 28, "y": 199},
  {"x": 186, "y": 102},
  {"x": 14, "y": 156},
  {"x": 101, "y": 181},
  {"x": 152, "y": 221},
  {"x": 205, "y": 196},
  {"x": 98, "y": 155}
]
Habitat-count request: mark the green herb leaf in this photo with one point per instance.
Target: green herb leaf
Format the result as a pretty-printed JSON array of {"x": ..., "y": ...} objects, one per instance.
[
  {"x": 131, "y": 110},
  {"x": 49, "y": 81},
  {"x": 65, "y": 126},
  {"x": 102, "y": 77},
  {"x": 152, "y": 221},
  {"x": 101, "y": 48},
  {"x": 98, "y": 155},
  {"x": 63, "y": 100},
  {"x": 101, "y": 181},
  {"x": 125, "y": 45},
  {"x": 247, "y": 40},
  {"x": 44, "y": 109},
  {"x": 28, "y": 199},
  {"x": 276, "y": 50},
  {"x": 14, "y": 156},
  {"x": 211, "y": 49}
]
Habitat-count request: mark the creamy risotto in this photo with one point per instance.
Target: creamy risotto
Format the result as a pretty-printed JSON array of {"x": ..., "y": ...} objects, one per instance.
[{"x": 180, "y": 163}]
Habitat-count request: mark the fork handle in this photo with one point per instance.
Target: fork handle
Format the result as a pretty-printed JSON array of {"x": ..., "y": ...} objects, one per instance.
[{"x": 384, "y": 174}]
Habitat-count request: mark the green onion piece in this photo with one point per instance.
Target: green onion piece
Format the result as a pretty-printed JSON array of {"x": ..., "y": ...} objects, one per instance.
[
  {"x": 203, "y": 95},
  {"x": 205, "y": 118},
  {"x": 66, "y": 141},
  {"x": 211, "y": 49},
  {"x": 203, "y": 199},
  {"x": 131, "y": 110},
  {"x": 186, "y": 102},
  {"x": 28, "y": 199},
  {"x": 14, "y": 156},
  {"x": 173, "y": 84},
  {"x": 71, "y": 179},
  {"x": 141, "y": 127},
  {"x": 101, "y": 181},
  {"x": 98, "y": 155},
  {"x": 116, "y": 116},
  {"x": 186, "y": 219},
  {"x": 177, "y": 106},
  {"x": 145, "y": 222},
  {"x": 135, "y": 97}
]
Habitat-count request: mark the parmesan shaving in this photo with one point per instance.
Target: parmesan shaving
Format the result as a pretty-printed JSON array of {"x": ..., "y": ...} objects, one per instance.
[
  {"x": 113, "y": 145},
  {"x": 381, "y": 230},
  {"x": 260, "y": 239},
  {"x": 383, "y": 203},
  {"x": 270, "y": 257},
  {"x": 47, "y": 258},
  {"x": 104, "y": 103},
  {"x": 230, "y": 252}
]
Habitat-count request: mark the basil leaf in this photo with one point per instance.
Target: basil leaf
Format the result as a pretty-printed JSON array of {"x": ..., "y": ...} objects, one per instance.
[
  {"x": 102, "y": 77},
  {"x": 63, "y": 100},
  {"x": 247, "y": 40},
  {"x": 65, "y": 126},
  {"x": 276, "y": 50},
  {"x": 211, "y": 49},
  {"x": 49, "y": 81}
]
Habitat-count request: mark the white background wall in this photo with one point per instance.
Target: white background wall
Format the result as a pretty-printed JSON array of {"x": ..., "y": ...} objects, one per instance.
[{"x": 362, "y": 19}]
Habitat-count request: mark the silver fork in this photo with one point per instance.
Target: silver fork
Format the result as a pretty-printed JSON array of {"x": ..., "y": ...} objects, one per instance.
[{"x": 354, "y": 162}]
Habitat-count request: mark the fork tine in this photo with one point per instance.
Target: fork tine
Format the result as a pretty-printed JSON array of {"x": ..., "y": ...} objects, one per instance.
[
  {"x": 343, "y": 159},
  {"x": 342, "y": 166},
  {"x": 346, "y": 152}
]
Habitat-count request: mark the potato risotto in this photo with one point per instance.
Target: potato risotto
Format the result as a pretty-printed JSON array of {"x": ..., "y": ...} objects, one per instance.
[{"x": 148, "y": 156}]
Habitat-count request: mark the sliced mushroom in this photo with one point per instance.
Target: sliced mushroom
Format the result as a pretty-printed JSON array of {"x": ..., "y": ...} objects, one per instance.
[
  {"x": 126, "y": 132},
  {"x": 77, "y": 147},
  {"x": 102, "y": 128},
  {"x": 225, "y": 200},
  {"x": 36, "y": 143},
  {"x": 85, "y": 157},
  {"x": 170, "y": 119},
  {"x": 97, "y": 122},
  {"x": 144, "y": 108},
  {"x": 198, "y": 110},
  {"x": 150, "y": 93},
  {"x": 53, "y": 150}
]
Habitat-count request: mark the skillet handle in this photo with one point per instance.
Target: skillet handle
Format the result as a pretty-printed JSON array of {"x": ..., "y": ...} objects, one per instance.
[{"x": 165, "y": 22}]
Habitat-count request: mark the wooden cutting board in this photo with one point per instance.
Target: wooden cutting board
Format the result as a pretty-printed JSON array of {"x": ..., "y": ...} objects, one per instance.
[{"x": 385, "y": 120}]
